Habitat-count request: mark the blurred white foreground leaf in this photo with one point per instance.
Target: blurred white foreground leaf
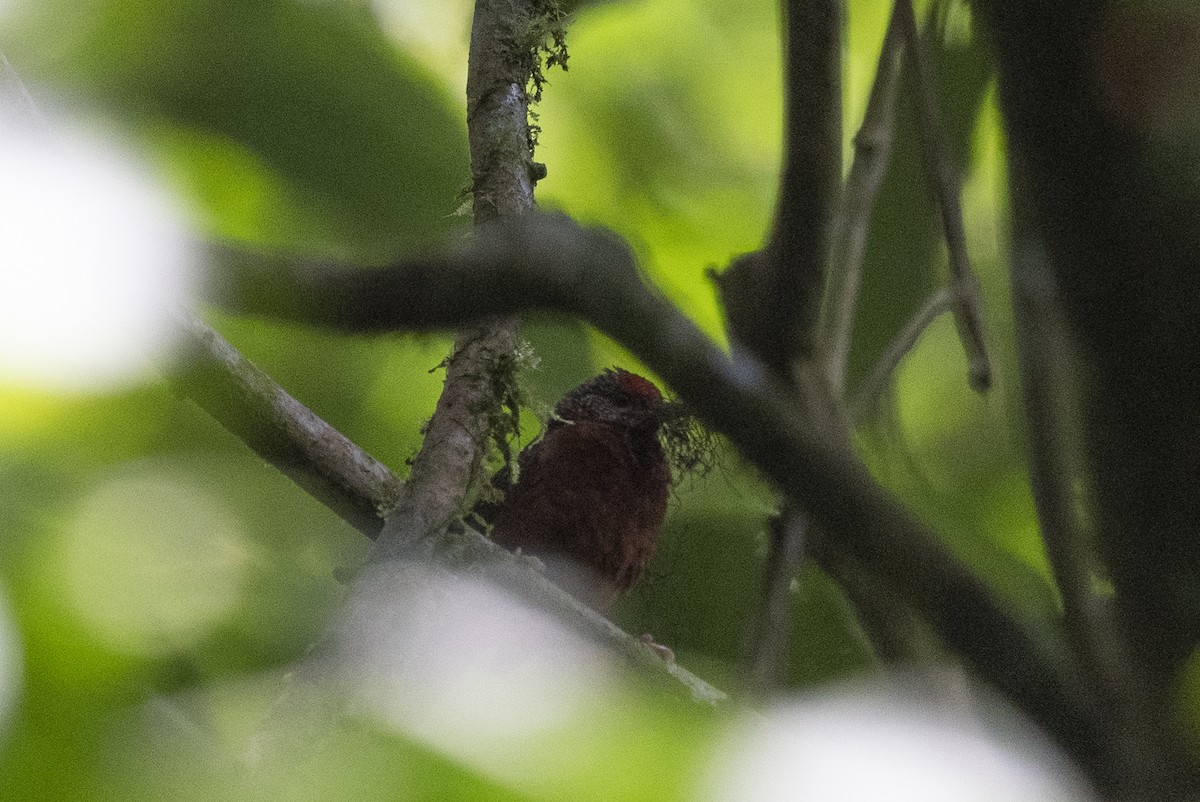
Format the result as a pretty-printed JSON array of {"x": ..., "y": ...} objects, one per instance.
[
  {"x": 469, "y": 669},
  {"x": 94, "y": 258},
  {"x": 889, "y": 741}
]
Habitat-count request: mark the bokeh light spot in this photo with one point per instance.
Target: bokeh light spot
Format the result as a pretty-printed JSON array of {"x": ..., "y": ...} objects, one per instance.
[
  {"x": 11, "y": 665},
  {"x": 468, "y": 669},
  {"x": 95, "y": 257},
  {"x": 866, "y": 742},
  {"x": 152, "y": 563}
]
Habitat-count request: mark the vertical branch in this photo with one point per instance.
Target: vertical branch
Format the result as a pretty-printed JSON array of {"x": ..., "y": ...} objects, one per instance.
[
  {"x": 872, "y": 153},
  {"x": 795, "y": 268},
  {"x": 964, "y": 286},
  {"x": 772, "y": 297},
  {"x": 505, "y": 41},
  {"x": 812, "y": 170},
  {"x": 1055, "y": 468},
  {"x": 501, "y": 65},
  {"x": 771, "y": 627}
]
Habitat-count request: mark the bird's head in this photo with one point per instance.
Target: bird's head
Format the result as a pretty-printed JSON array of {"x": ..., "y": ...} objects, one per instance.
[{"x": 615, "y": 396}]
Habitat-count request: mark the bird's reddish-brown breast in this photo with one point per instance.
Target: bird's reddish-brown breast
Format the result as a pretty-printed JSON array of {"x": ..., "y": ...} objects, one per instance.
[{"x": 590, "y": 499}]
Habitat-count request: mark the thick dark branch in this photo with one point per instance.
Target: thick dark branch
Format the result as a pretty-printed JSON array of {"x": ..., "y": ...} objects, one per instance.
[
  {"x": 872, "y": 153},
  {"x": 1106, "y": 191},
  {"x": 548, "y": 262},
  {"x": 1122, "y": 243},
  {"x": 490, "y": 273},
  {"x": 812, "y": 170}
]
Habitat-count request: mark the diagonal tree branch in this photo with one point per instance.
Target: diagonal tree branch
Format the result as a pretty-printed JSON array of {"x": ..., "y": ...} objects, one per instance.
[
  {"x": 280, "y": 429},
  {"x": 550, "y": 263}
]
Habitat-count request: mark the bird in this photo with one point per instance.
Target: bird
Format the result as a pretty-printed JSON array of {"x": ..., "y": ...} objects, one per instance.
[{"x": 591, "y": 492}]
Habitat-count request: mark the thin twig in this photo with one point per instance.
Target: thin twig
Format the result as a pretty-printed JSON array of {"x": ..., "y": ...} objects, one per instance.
[
  {"x": 873, "y": 387},
  {"x": 1054, "y": 462},
  {"x": 772, "y": 623},
  {"x": 872, "y": 153},
  {"x": 16, "y": 103},
  {"x": 968, "y": 317}
]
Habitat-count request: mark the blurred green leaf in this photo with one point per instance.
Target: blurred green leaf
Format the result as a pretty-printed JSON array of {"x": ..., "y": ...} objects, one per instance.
[
  {"x": 308, "y": 103},
  {"x": 667, "y": 128}
]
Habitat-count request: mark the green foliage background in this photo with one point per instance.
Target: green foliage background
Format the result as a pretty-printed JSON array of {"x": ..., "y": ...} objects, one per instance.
[{"x": 159, "y": 577}]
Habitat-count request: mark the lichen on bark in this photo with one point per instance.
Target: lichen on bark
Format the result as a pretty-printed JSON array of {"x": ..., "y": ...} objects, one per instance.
[{"x": 512, "y": 43}]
